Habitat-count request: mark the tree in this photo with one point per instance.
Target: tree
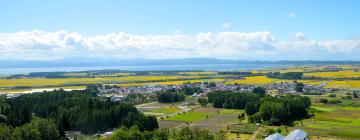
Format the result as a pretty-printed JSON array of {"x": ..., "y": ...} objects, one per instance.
[
  {"x": 170, "y": 97},
  {"x": 190, "y": 90},
  {"x": 37, "y": 129},
  {"x": 259, "y": 90},
  {"x": 203, "y": 102},
  {"x": 355, "y": 95},
  {"x": 221, "y": 135},
  {"x": 299, "y": 87},
  {"x": 232, "y": 100},
  {"x": 251, "y": 108},
  {"x": 241, "y": 116},
  {"x": 74, "y": 110},
  {"x": 5, "y": 132}
]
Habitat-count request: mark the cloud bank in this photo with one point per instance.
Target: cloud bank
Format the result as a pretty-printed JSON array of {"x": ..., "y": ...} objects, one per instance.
[{"x": 41, "y": 45}]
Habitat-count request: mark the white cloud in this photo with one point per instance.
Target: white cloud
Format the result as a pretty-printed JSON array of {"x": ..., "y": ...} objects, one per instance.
[
  {"x": 299, "y": 36},
  {"x": 290, "y": 15},
  {"x": 226, "y": 25},
  {"x": 41, "y": 45}
]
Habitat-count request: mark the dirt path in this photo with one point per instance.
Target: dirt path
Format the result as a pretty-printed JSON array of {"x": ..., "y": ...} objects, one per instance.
[{"x": 255, "y": 134}]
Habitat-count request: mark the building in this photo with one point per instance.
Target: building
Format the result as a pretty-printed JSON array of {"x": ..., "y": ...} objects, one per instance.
[
  {"x": 293, "y": 135},
  {"x": 296, "y": 135},
  {"x": 275, "y": 136}
]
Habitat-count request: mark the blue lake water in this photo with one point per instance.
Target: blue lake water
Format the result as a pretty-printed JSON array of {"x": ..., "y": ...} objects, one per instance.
[{"x": 208, "y": 67}]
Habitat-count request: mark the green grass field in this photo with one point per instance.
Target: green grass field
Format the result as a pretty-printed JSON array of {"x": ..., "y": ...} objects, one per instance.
[
  {"x": 334, "y": 120},
  {"x": 190, "y": 116},
  {"x": 167, "y": 110}
]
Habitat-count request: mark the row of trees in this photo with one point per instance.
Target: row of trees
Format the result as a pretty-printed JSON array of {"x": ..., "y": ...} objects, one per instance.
[
  {"x": 170, "y": 96},
  {"x": 37, "y": 129},
  {"x": 186, "y": 133},
  {"x": 74, "y": 110},
  {"x": 281, "y": 110},
  {"x": 190, "y": 90},
  {"x": 287, "y": 75},
  {"x": 229, "y": 99},
  {"x": 278, "y": 110}
]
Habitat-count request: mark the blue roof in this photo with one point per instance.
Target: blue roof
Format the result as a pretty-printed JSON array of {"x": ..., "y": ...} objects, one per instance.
[{"x": 296, "y": 135}]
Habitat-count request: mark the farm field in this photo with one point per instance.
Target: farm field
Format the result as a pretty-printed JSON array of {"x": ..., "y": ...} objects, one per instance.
[
  {"x": 337, "y": 74},
  {"x": 343, "y": 84},
  {"x": 262, "y": 80},
  {"x": 162, "y": 111},
  {"x": 177, "y": 82},
  {"x": 198, "y": 73},
  {"x": 209, "y": 118},
  {"x": 334, "y": 121},
  {"x": 68, "y": 81}
]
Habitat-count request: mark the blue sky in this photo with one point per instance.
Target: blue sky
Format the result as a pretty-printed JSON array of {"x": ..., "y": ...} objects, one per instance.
[
  {"x": 315, "y": 20},
  {"x": 319, "y": 19}
]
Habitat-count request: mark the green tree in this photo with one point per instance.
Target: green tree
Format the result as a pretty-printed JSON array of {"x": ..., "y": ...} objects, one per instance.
[{"x": 299, "y": 87}]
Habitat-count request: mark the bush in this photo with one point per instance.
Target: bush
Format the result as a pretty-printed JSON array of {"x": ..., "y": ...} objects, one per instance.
[
  {"x": 332, "y": 95},
  {"x": 348, "y": 97},
  {"x": 269, "y": 131},
  {"x": 323, "y": 100},
  {"x": 312, "y": 93},
  {"x": 256, "y": 118},
  {"x": 334, "y": 101}
]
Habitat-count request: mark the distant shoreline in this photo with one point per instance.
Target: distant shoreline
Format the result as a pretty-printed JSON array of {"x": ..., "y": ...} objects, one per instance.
[{"x": 206, "y": 67}]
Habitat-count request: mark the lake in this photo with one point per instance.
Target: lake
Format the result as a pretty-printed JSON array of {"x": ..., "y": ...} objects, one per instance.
[{"x": 207, "y": 67}]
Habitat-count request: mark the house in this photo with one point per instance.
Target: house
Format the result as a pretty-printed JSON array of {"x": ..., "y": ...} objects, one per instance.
[{"x": 293, "y": 135}]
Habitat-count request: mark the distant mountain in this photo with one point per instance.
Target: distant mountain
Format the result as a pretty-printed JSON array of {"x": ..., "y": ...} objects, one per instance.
[{"x": 92, "y": 62}]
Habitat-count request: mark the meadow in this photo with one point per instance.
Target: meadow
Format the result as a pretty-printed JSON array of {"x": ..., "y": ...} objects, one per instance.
[{"x": 334, "y": 121}]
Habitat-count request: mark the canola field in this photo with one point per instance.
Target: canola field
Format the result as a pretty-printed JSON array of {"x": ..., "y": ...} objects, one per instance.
[
  {"x": 36, "y": 82},
  {"x": 343, "y": 84},
  {"x": 198, "y": 73},
  {"x": 263, "y": 80},
  {"x": 178, "y": 82},
  {"x": 335, "y": 74}
]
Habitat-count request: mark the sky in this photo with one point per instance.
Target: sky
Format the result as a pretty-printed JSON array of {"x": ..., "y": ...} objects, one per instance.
[{"x": 170, "y": 29}]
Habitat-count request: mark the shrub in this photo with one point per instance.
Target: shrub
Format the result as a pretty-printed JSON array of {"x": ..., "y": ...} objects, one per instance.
[
  {"x": 348, "y": 97},
  {"x": 332, "y": 95},
  {"x": 335, "y": 101},
  {"x": 322, "y": 100}
]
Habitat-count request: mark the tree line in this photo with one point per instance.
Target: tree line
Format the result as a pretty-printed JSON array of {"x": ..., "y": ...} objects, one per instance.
[
  {"x": 280, "y": 110},
  {"x": 170, "y": 96},
  {"x": 79, "y": 110},
  {"x": 287, "y": 75},
  {"x": 233, "y": 100},
  {"x": 133, "y": 133}
]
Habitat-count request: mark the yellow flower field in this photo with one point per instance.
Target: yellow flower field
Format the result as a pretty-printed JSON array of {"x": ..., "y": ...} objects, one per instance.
[
  {"x": 198, "y": 73},
  {"x": 172, "y": 82},
  {"x": 256, "y": 80},
  {"x": 339, "y": 74},
  {"x": 62, "y": 81},
  {"x": 343, "y": 84},
  {"x": 262, "y": 80}
]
